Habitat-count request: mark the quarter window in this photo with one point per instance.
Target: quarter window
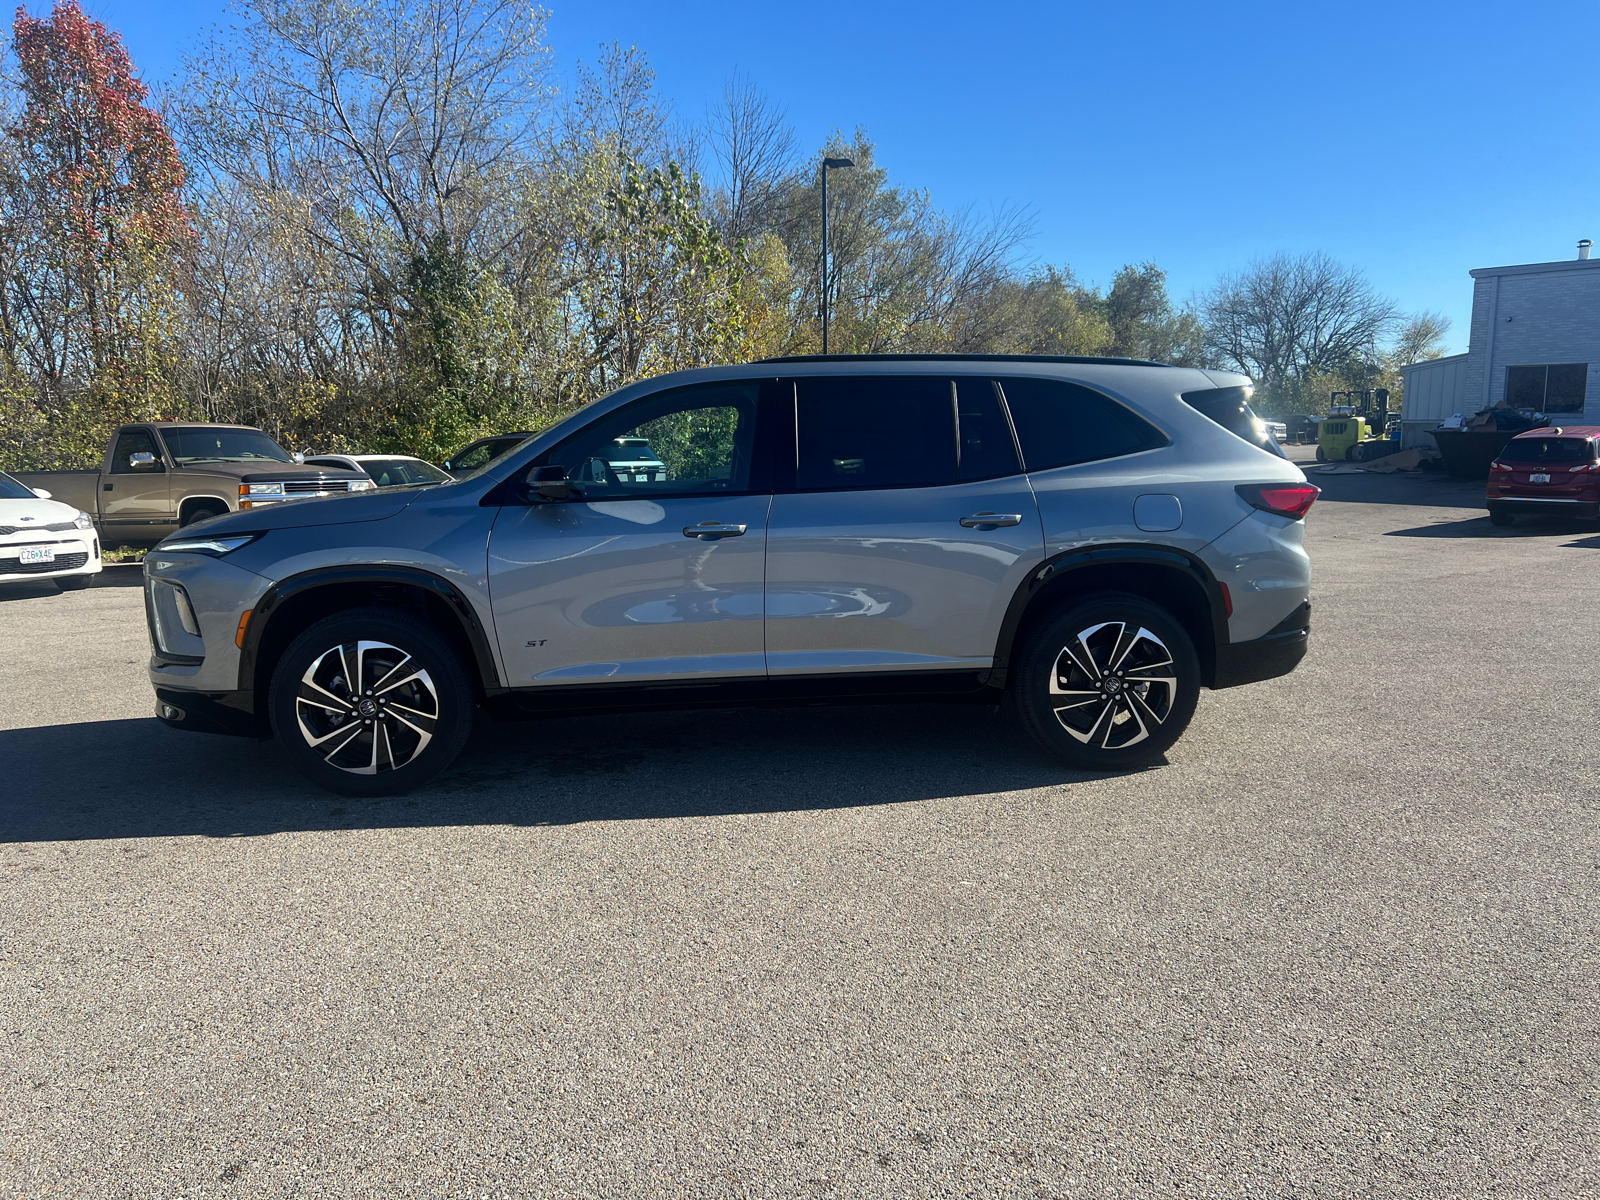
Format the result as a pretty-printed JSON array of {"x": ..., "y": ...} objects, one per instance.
[
  {"x": 1558, "y": 387},
  {"x": 876, "y": 432},
  {"x": 1059, "y": 424}
]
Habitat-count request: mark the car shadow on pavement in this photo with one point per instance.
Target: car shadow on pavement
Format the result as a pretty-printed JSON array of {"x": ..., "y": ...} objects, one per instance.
[
  {"x": 1432, "y": 490},
  {"x": 34, "y": 589},
  {"x": 137, "y": 778},
  {"x": 1481, "y": 527}
]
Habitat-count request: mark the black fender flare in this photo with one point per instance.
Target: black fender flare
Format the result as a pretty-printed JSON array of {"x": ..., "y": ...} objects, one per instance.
[
  {"x": 273, "y": 599},
  {"x": 1062, "y": 565}
]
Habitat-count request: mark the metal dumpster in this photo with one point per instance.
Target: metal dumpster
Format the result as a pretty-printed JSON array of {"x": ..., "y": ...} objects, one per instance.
[{"x": 1467, "y": 453}]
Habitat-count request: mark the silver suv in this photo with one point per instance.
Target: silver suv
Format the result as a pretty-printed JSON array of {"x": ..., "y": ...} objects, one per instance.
[{"x": 1090, "y": 541}]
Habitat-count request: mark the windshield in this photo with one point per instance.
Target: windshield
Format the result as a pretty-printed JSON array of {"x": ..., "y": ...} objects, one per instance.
[
  {"x": 1230, "y": 408},
  {"x": 1547, "y": 450},
  {"x": 395, "y": 472},
  {"x": 10, "y": 489},
  {"x": 222, "y": 445}
]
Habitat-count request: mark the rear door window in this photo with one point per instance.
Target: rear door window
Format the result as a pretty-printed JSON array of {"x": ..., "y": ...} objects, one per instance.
[
  {"x": 876, "y": 432},
  {"x": 1059, "y": 424}
]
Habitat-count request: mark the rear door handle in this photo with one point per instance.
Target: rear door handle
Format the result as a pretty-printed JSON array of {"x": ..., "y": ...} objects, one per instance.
[
  {"x": 989, "y": 520},
  {"x": 711, "y": 531}
]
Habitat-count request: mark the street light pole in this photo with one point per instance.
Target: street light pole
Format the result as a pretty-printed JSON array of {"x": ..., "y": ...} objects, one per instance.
[{"x": 827, "y": 164}]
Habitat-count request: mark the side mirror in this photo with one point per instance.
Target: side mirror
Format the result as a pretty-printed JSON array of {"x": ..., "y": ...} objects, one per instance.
[
  {"x": 550, "y": 483},
  {"x": 141, "y": 460},
  {"x": 41, "y": 493}
]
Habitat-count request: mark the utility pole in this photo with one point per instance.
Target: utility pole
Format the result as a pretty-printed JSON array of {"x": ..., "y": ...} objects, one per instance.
[{"x": 827, "y": 165}]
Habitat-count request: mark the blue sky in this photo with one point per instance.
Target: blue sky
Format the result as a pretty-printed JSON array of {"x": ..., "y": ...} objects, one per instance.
[{"x": 1413, "y": 140}]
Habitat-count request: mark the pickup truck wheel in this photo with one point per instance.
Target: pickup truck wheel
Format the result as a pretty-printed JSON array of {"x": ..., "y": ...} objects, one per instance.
[
  {"x": 202, "y": 512},
  {"x": 1108, "y": 684},
  {"x": 371, "y": 702}
]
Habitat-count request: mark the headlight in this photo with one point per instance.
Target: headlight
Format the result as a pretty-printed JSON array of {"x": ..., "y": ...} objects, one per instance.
[
  {"x": 216, "y": 545},
  {"x": 361, "y": 485},
  {"x": 83, "y": 521},
  {"x": 261, "y": 489}
]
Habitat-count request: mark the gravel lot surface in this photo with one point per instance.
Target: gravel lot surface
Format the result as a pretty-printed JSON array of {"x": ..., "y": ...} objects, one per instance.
[{"x": 1343, "y": 943}]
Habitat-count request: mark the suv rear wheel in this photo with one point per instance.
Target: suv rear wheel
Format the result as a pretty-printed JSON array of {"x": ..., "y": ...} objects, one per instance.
[
  {"x": 371, "y": 702},
  {"x": 1109, "y": 683}
]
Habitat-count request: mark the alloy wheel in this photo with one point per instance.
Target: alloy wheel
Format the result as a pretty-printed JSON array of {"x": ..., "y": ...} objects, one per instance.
[
  {"x": 1113, "y": 685},
  {"x": 366, "y": 707}
]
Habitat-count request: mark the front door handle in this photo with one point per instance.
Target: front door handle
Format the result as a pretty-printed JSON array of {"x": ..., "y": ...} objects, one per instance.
[
  {"x": 711, "y": 531},
  {"x": 989, "y": 520}
]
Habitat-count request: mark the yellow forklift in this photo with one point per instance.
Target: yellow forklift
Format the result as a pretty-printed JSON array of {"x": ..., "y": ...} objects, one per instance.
[{"x": 1357, "y": 427}]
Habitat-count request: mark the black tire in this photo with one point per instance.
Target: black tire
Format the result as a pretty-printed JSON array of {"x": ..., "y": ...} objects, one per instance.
[
  {"x": 1117, "y": 726},
  {"x": 388, "y": 753},
  {"x": 74, "y": 583},
  {"x": 202, "y": 512},
  {"x": 1501, "y": 518},
  {"x": 1322, "y": 455}
]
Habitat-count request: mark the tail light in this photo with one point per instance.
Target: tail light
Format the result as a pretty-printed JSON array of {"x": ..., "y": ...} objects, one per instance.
[
  {"x": 1292, "y": 500},
  {"x": 1500, "y": 466}
]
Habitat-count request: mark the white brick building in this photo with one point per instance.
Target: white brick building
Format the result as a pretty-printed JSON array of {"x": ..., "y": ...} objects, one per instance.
[{"x": 1535, "y": 339}]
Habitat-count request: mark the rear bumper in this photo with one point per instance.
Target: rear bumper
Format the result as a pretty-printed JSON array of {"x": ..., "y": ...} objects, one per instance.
[
  {"x": 1276, "y": 653},
  {"x": 1546, "y": 506}
]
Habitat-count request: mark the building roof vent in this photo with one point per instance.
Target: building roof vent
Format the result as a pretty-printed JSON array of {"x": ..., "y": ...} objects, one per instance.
[{"x": 1583, "y": 248}]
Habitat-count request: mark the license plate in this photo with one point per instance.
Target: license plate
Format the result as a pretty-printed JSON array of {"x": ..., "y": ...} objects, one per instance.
[
  {"x": 1538, "y": 479},
  {"x": 36, "y": 554}
]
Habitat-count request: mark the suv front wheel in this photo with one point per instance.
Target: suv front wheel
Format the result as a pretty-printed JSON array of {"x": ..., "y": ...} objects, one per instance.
[
  {"x": 1108, "y": 683},
  {"x": 371, "y": 702}
]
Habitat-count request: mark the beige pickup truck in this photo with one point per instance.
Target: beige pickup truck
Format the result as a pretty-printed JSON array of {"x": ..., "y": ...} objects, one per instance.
[{"x": 161, "y": 476}]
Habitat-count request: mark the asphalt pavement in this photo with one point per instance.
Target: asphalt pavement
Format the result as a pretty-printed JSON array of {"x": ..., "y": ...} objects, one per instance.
[{"x": 1343, "y": 942}]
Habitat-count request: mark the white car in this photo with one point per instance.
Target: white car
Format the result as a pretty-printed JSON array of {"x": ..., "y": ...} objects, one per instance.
[
  {"x": 385, "y": 470},
  {"x": 41, "y": 538}
]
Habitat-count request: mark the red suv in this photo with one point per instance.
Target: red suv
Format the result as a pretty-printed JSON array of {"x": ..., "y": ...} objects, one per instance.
[{"x": 1552, "y": 471}]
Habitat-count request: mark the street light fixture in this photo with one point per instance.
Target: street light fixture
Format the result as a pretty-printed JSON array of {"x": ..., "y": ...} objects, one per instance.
[{"x": 828, "y": 164}]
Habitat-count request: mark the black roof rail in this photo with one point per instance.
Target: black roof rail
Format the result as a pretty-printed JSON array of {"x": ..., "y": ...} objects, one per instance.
[{"x": 1087, "y": 359}]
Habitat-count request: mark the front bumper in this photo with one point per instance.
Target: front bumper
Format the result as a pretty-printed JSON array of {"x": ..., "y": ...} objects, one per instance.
[
  {"x": 74, "y": 556},
  {"x": 1276, "y": 653},
  {"x": 208, "y": 712},
  {"x": 1544, "y": 506}
]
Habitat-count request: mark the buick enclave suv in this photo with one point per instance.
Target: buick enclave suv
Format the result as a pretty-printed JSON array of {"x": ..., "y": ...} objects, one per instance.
[{"x": 1092, "y": 541}]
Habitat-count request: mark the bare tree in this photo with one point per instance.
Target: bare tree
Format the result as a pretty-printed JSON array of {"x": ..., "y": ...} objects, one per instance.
[
  {"x": 1285, "y": 317},
  {"x": 1421, "y": 337},
  {"x": 754, "y": 148},
  {"x": 376, "y": 130}
]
